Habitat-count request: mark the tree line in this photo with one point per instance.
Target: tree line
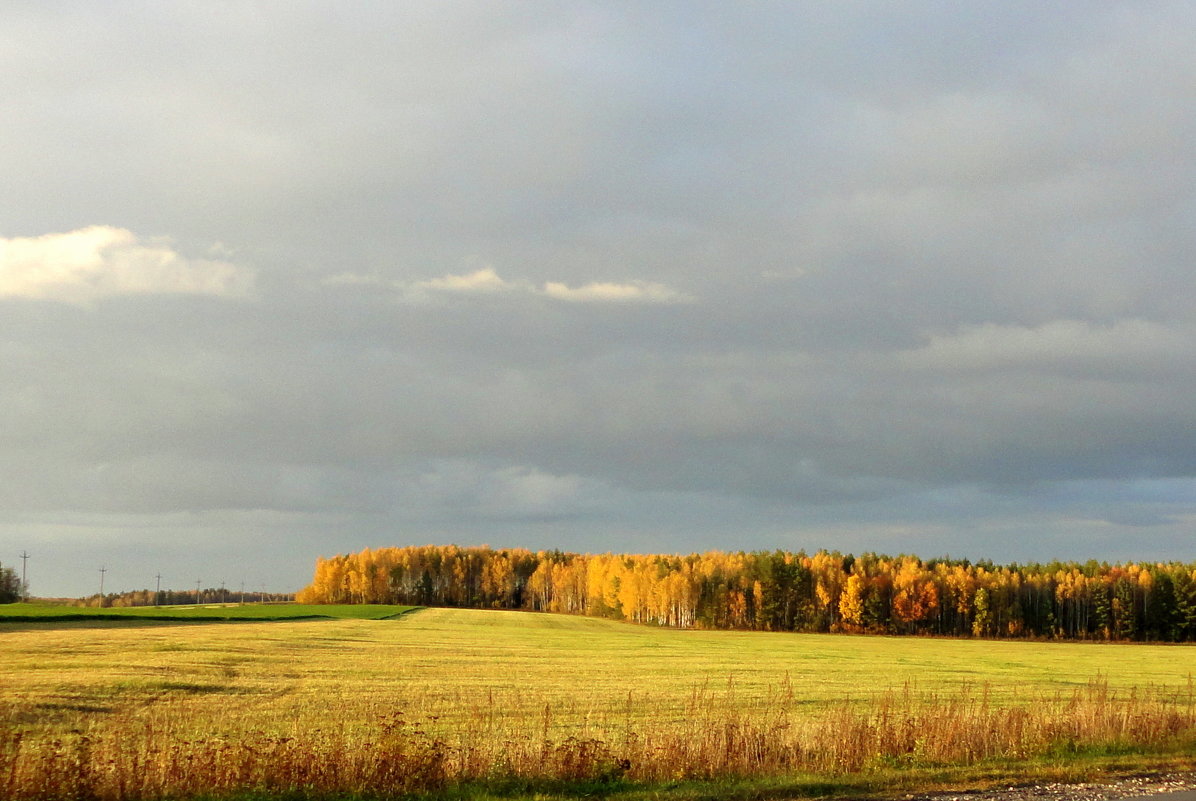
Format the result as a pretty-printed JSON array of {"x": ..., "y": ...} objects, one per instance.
[
  {"x": 781, "y": 591},
  {"x": 211, "y": 595}
]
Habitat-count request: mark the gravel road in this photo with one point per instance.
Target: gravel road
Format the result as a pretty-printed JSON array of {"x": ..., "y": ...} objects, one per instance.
[{"x": 1167, "y": 786}]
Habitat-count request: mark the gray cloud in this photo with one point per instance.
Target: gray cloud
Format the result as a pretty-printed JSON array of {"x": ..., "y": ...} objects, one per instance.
[{"x": 597, "y": 277}]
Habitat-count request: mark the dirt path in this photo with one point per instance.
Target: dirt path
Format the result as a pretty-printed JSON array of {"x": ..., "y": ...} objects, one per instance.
[{"x": 1167, "y": 787}]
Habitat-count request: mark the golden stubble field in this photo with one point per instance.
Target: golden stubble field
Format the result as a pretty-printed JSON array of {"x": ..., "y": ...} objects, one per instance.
[{"x": 442, "y": 696}]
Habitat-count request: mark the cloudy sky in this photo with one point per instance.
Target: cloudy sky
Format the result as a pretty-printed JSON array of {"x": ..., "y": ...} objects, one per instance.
[{"x": 285, "y": 279}]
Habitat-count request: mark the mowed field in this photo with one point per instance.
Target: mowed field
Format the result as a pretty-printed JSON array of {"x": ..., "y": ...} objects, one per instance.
[
  {"x": 575, "y": 663},
  {"x": 444, "y": 696}
]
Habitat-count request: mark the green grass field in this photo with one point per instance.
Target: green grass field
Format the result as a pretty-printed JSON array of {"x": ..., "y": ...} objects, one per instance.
[
  {"x": 35, "y": 612},
  {"x": 477, "y": 695}
]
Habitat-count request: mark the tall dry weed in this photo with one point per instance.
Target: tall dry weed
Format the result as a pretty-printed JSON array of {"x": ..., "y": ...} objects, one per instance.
[{"x": 714, "y": 735}]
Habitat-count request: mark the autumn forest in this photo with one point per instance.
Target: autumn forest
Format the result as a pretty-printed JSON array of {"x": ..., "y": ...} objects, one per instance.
[{"x": 781, "y": 591}]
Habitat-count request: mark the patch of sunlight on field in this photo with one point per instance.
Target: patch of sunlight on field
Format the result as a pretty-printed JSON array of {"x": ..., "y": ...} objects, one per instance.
[
  {"x": 579, "y": 659},
  {"x": 445, "y": 665},
  {"x": 148, "y": 710},
  {"x": 568, "y": 654}
]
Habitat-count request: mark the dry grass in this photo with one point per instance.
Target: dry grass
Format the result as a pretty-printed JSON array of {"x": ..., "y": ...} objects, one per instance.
[{"x": 384, "y": 708}]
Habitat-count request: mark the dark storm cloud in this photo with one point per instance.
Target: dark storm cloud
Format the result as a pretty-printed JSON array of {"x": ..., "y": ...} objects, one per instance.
[{"x": 596, "y": 276}]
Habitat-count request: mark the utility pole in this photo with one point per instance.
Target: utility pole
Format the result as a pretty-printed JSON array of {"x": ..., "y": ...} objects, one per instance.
[
  {"x": 223, "y": 598},
  {"x": 103, "y": 570},
  {"x": 24, "y": 581},
  {"x": 242, "y": 593},
  {"x": 197, "y": 591},
  {"x": 158, "y": 591}
]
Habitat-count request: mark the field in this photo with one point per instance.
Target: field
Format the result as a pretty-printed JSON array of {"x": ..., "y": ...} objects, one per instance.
[
  {"x": 34, "y": 612},
  {"x": 440, "y": 698}
]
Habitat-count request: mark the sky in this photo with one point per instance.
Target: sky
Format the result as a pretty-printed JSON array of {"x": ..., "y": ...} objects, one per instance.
[{"x": 281, "y": 280}]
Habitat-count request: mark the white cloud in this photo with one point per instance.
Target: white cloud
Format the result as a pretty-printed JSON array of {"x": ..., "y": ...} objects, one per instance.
[
  {"x": 100, "y": 261},
  {"x": 484, "y": 280},
  {"x": 603, "y": 292},
  {"x": 487, "y": 280}
]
